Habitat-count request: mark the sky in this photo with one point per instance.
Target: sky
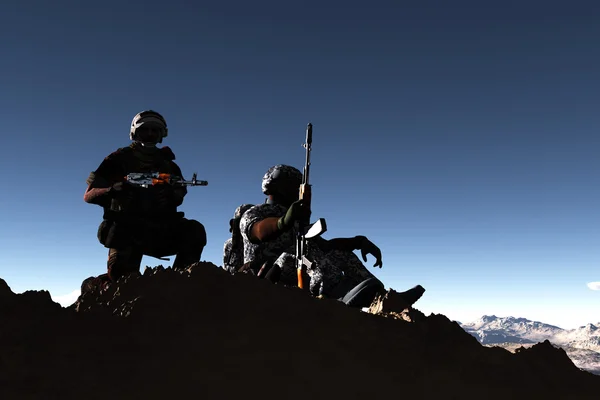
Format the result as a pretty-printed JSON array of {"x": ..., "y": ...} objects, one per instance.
[{"x": 460, "y": 137}]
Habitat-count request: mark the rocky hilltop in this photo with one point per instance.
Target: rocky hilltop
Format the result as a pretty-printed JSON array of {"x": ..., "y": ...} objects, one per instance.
[{"x": 204, "y": 333}]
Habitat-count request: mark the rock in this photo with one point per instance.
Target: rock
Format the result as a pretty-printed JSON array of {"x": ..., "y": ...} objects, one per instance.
[{"x": 5, "y": 291}]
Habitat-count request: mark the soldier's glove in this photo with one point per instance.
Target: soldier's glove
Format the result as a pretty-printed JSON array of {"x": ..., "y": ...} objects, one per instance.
[
  {"x": 298, "y": 211},
  {"x": 121, "y": 190},
  {"x": 367, "y": 247}
]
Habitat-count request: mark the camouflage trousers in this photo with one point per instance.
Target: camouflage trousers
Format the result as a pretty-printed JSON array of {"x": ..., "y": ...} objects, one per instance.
[{"x": 332, "y": 271}]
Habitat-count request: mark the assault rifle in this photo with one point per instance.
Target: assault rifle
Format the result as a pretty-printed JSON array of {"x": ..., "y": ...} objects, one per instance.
[
  {"x": 147, "y": 179},
  {"x": 304, "y": 230}
]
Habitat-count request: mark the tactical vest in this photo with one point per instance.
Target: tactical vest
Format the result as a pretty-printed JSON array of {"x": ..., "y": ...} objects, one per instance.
[{"x": 131, "y": 159}]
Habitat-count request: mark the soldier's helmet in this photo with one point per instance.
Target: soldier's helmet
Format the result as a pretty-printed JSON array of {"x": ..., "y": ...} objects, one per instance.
[
  {"x": 148, "y": 117},
  {"x": 281, "y": 179}
]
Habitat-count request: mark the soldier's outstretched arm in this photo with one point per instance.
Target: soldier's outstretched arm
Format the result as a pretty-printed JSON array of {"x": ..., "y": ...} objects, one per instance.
[{"x": 350, "y": 244}]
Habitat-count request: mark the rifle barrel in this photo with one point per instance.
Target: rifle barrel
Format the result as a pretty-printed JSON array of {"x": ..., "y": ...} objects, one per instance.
[{"x": 307, "y": 146}]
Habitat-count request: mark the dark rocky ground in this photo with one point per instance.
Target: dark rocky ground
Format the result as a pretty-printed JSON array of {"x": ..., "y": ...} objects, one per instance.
[{"x": 203, "y": 333}]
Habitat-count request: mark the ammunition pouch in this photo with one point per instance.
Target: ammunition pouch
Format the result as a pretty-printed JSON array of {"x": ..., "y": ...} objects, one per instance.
[
  {"x": 114, "y": 234},
  {"x": 107, "y": 231}
]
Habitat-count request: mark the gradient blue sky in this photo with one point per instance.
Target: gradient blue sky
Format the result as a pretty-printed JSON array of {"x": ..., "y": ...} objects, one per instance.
[{"x": 461, "y": 137}]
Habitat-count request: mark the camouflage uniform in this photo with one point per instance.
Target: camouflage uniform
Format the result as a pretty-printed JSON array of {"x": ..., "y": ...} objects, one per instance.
[
  {"x": 136, "y": 224},
  {"x": 326, "y": 274}
]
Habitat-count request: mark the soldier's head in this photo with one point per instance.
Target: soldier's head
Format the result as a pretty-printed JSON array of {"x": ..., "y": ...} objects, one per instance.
[
  {"x": 282, "y": 184},
  {"x": 234, "y": 223},
  {"x": 148, "y": 128}
]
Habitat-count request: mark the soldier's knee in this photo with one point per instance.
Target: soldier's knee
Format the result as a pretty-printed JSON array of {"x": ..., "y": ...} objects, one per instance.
[{"x": 197, "y": 232}]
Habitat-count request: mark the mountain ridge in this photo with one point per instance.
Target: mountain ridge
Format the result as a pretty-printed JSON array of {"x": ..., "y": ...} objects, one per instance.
[
  {"x": 205, "y": 332},
  {"x": 581, "y": 344}
]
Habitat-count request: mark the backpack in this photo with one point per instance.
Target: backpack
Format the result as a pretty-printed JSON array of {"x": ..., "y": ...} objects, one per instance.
[{"x": 233, "y": 249}]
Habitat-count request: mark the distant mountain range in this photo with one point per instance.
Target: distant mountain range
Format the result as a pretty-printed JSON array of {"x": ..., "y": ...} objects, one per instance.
[{"x": 581, "y": 344}]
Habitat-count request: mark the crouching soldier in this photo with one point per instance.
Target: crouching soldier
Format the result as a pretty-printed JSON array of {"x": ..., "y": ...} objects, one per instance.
[{"x": 140, "y": 220}]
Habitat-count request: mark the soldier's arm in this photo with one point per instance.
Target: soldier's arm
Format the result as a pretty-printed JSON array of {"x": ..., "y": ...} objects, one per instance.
[
  {"x": 258, "y": 225},
  {"x": 343, "y": 244},
  {"x": 271, "y": 227},
  {"x": 350, "y": 244},
  {"x": 100, "y": 182},
  {"x": 264, "y": 230}
]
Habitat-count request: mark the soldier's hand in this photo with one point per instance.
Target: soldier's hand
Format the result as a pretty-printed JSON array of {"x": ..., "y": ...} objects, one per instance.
[
  {"x": 121, "y": 189},
  {"x": 368, "y": 247},
  {"x": 298, "y": 211}
]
